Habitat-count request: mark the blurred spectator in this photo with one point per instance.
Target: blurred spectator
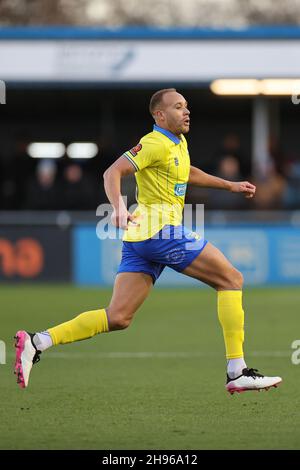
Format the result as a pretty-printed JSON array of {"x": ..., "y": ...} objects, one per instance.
[
  {"x": 43, "y": 190},
  {"x": 1, "y": 184},
  {"x": 95, "y": 167},
  {"x": 228, "y": 169},
  {"x": 17, "y": 170},
  {"x": 276, "y": 154},
  {"x": 291, "y": 194},
  {"x": 77, "y": 189},
  {"x": 269, "y": 190},
  {"x": 231, "y": 145}
]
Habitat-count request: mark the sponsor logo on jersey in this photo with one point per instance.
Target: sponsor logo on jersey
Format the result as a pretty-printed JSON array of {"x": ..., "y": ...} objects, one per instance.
[{"x": 180, "y": 189}]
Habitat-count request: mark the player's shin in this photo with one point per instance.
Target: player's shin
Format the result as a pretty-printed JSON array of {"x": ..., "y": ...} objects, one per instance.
[
  {"x": 83, "y": 326},
  {"x": 231, "y": 317}
]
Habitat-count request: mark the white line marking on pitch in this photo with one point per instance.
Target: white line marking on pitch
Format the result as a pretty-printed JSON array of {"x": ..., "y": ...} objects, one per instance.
[{"x": 151, "y": 355}]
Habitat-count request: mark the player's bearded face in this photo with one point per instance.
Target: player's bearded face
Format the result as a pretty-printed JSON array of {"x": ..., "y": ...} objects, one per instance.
[{"x": 176, "y": 114}]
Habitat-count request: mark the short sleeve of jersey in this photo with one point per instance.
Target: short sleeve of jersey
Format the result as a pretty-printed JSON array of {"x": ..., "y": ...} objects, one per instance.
[{"x": 148, "y": 153}]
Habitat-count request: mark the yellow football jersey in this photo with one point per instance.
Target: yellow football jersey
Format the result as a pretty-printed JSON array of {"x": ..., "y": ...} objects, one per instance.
[{"x": 162, "y": 165}]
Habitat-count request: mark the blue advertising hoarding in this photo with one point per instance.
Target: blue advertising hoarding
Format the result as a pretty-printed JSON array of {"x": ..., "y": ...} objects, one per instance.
[{"x": 264, "y": 255}]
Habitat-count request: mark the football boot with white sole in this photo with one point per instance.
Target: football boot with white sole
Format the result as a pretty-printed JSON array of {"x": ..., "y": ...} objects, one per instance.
[
  {"x": 250, "y": 379},
  {"x": 26, "y": 355}
]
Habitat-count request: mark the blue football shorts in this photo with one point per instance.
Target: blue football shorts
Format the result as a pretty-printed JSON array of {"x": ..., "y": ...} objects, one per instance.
[{"x": 173, "y": 246}]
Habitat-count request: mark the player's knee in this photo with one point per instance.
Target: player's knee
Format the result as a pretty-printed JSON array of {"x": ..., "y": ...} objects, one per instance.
[
  {"x": 237, "y": 279},
  {"x": 233, "y": 279}
]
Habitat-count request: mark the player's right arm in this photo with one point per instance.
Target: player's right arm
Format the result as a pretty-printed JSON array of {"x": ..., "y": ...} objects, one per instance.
[
  {"x": 112, "y": 185},
  {"x": 148, "y": 152}
]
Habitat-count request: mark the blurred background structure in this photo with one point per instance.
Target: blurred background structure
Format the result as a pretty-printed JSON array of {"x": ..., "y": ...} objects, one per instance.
[
  {"x": 191, "y": 13},
  {"x": 79, "y": 76}
]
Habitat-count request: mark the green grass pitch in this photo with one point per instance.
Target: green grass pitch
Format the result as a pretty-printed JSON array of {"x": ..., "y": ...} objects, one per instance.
[{"x": 157, "y": 385}]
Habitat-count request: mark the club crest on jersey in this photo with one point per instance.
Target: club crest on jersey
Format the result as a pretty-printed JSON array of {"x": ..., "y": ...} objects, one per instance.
[
  {"x": 135, "y": 150},
  {"x": 176, "y": 161}
]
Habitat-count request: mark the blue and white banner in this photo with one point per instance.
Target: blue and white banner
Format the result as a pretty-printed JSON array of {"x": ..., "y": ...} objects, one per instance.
[
  {"x": 264, "y": 256},
  {"x": 140, "y": 61}
]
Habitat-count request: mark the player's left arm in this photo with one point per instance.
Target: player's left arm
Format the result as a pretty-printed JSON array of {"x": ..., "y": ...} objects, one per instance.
[{"x": 200, "y": 178}]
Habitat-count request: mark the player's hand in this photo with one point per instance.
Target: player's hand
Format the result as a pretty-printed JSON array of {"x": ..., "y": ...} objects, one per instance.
[
  {"x": 120, "y": 218},
  {"x": 243, "y": 187}
]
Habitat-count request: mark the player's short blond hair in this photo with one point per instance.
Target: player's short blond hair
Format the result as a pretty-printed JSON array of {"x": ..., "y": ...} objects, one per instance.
[{"x": 157, "y": 98}]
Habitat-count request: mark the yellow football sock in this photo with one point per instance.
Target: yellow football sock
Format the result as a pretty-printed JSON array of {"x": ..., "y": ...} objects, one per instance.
[
  {"x": 231, "y": 316},
  {"x": 83, "y": 326}
]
